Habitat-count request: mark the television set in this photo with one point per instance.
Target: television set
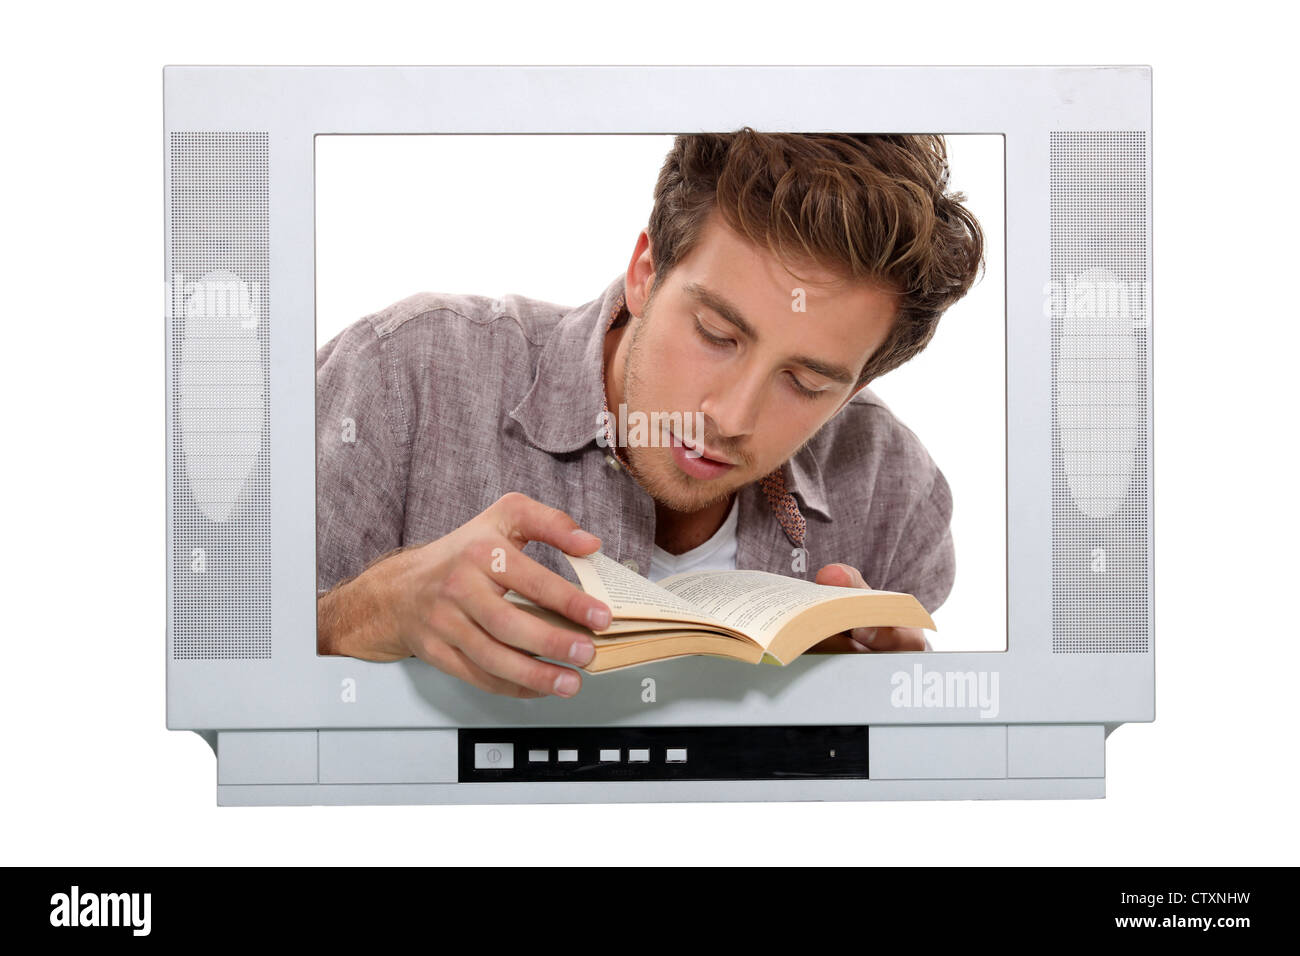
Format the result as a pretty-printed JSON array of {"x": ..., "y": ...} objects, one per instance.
[{"x": 304, "y": 202}]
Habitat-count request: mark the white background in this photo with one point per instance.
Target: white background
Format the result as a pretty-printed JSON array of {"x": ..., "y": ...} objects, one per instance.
[
  {"x": 557, "y": 217},
  {"x": 92, "y": 777}
]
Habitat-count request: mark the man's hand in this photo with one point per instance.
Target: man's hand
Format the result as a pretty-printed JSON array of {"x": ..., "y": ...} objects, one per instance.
[
  {"x": 864, "y": 638},
  {"x": 442, "y": 602}
]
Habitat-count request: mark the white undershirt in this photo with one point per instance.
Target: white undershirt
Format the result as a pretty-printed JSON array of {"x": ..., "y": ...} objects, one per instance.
[{"x": 716, "y": 554}]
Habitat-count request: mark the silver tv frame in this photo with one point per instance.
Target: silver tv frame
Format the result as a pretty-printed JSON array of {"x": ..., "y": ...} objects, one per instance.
[{"x": 291, "y": 727}]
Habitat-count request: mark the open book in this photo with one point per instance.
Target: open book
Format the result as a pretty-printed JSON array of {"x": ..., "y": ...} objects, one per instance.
[{"x": 745, "y": 615}]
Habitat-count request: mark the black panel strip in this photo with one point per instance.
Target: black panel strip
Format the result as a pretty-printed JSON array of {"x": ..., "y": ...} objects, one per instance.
[{"x": 711, "y": 753}]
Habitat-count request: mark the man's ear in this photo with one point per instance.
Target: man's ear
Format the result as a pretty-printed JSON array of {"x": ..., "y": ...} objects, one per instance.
[
  {"x": 849, "y": 397},
  {"x": 640, "y": 279}
]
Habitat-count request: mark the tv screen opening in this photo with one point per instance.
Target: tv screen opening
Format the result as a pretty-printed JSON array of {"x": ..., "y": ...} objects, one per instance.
[{"x": 781, "y": 356}]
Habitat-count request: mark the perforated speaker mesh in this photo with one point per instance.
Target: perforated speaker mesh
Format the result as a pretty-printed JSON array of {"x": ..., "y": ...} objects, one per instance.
[
  {"x": 1100, "y": 332},
  {"x": 218, "y": 324}
]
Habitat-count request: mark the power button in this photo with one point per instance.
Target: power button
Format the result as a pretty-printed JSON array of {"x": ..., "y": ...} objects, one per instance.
[{"x": 494, "y": 756}]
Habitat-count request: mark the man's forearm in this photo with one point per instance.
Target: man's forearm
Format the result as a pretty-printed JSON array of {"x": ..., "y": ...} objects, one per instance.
[{"x": 352, "y": 623}]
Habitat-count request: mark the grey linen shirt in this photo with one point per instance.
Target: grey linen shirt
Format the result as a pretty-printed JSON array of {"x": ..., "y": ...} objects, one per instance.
[{"x": 430, "y": 410}]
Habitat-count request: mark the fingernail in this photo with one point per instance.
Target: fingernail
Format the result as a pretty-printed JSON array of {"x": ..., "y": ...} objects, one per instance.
[
  {"x": 598, "y": 618},
  {"x": 566, "y": 685},
  {"x": 866, "y": 635},
  {"x": 859, "y": 645},
  {"x": 581, "y": 652},
  {"x": 583, "y": 537}
]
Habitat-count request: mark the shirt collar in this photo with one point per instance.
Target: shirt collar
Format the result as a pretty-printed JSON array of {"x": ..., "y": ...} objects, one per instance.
[
  {"x": 562, "y": 410},
  {"x": 803, "y": 478}
]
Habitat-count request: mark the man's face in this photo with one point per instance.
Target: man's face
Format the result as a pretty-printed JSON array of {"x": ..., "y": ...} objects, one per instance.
[{"x": 723, "y": 335}]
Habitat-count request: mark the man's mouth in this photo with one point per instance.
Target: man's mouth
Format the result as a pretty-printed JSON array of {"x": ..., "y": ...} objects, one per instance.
[
  {"x": 696, "y": 450},
  {"x": 698, "y": 460}
]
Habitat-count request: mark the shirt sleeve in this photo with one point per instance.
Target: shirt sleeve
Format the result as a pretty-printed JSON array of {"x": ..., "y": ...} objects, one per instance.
[
  {"x": 925, "y": 563},
  {"x": 362, "y": 455}
]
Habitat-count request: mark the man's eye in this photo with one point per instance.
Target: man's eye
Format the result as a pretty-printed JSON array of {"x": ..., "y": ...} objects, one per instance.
[
  {"x": 803, "y": 390},
  {"x": 710, "y": 337}
]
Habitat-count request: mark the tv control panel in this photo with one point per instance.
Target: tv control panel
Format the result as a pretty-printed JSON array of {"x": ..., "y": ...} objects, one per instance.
[{"x": 662, "y": 753}]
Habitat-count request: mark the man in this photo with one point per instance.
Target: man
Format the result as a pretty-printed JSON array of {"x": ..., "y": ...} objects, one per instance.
[{"x": 462, "y": 440}]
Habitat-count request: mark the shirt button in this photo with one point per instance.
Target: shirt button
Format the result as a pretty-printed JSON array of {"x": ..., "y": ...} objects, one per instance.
[
  {"x": 631, "y": 566},
  {"x": 612, "y": 462}
]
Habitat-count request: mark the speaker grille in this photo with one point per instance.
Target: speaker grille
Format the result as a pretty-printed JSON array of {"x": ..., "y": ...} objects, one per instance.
[
  {"x": 1100, "y": 334},
  {"x": 218, "y": 345}
]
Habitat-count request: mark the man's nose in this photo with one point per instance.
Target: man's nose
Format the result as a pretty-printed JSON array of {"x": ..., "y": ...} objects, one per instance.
[{"x": 733, "y": 403}]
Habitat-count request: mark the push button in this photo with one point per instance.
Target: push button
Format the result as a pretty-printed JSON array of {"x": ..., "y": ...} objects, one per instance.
[
  {"x": 494, "y": 756},
  {"x": 677, "y": 755}
]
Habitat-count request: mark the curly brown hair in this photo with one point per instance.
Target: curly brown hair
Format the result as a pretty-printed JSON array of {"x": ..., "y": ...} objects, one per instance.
[{"x": 862, "y": 206}]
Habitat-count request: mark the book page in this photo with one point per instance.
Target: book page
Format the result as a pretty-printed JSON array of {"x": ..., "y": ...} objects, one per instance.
[
  {"x": 639, "y": 627},
  {"x": 756, "y": 603},
  {"x": 628, "y": 594}
]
